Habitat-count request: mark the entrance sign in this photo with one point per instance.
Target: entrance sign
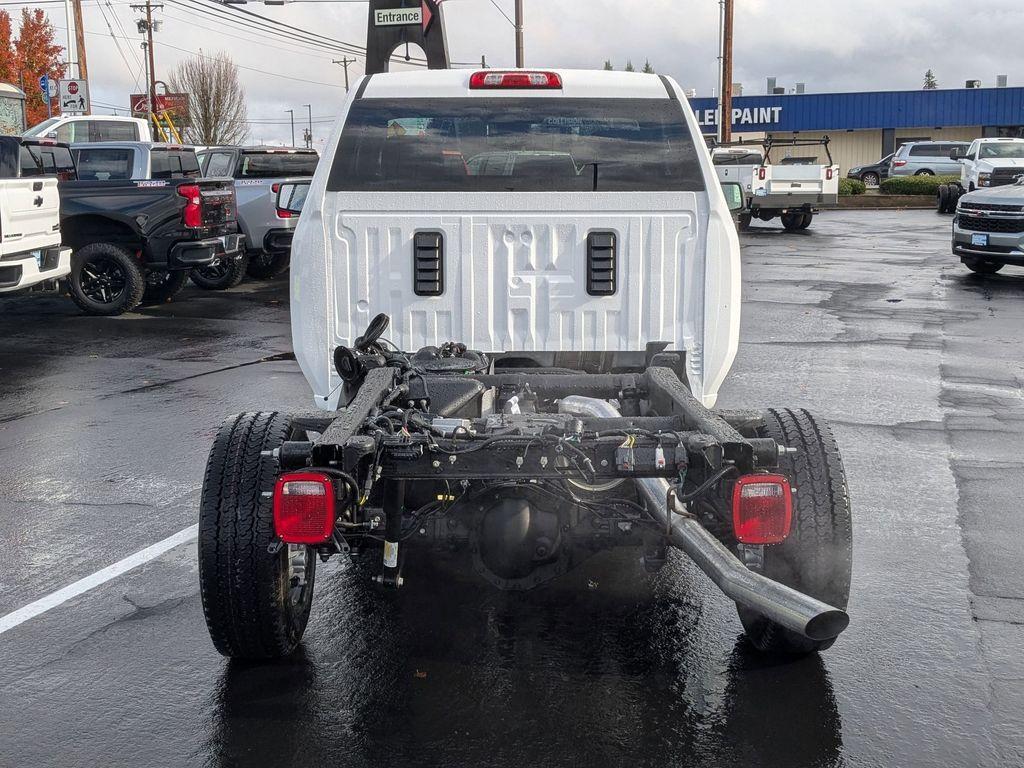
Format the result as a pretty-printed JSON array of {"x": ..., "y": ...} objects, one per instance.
[{"x": 396, "y": 17}]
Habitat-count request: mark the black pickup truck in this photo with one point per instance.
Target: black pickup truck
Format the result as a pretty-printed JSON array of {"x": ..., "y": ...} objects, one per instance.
[{"x": 137, "y": 241}]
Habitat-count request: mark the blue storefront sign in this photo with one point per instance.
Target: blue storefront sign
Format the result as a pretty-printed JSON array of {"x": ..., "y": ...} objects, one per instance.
[{"x": 868, "y": 111}]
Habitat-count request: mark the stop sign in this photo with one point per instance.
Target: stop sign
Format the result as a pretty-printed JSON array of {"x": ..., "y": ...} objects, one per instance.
[{"x": 72, "y": 88}]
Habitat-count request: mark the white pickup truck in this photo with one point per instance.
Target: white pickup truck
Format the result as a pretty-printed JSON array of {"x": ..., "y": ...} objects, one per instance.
[
  {"x": 30, "y": 239},
  {"x": 515, "y": 296},
  {"x": 794, "y": 189},
  {"x": 984, "y": 164}
]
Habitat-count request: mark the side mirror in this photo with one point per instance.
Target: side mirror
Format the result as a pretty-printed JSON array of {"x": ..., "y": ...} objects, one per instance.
[
  {"x": 291, "y": 196},
  {"x": 957, "y": 153},
  {"x": 734, "y": 195},
  {"x": 51, "y": 135}
]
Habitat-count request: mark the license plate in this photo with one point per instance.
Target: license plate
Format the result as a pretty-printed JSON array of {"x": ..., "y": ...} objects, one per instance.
[{"x": 981, "y": 240}]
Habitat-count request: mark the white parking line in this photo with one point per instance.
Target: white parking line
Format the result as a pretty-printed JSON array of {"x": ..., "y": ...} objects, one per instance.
[{"x": 43, "y": 604}]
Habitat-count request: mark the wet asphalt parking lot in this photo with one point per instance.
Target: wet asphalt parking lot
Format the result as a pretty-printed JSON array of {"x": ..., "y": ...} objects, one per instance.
[{"x": 866, "y": 319}]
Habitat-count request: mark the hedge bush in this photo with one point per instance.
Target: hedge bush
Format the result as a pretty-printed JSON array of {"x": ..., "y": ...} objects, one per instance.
[
  {"x": 851, "y": 187},
  {"x": 915, "y": 185}
]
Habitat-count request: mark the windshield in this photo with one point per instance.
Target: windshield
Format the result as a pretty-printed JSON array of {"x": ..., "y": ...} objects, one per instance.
[
  {"x": 271, "y": 165},
  {"x": 516, "y": 145},
  {"x": 1008, "y": 151},
  {"x": 42, "y": 128}
]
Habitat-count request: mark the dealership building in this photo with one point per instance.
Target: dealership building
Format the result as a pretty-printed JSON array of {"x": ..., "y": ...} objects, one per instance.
[{"x": 864, "y": 127}]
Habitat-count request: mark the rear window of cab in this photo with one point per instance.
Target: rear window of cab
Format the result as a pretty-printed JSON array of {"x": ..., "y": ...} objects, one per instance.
[{"x": 516, "y": 145}]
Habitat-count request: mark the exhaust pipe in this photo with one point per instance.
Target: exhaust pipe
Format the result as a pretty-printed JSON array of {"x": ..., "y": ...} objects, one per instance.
[{"x": 794, "y": 610}]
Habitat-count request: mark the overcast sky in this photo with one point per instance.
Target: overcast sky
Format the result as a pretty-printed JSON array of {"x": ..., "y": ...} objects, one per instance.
[{"x": 832, "y": 46}]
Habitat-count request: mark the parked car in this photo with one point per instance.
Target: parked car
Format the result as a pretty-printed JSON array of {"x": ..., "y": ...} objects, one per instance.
[
  {"x": 31, "y": 254},
  {"x": 988, "y": 231},
  {"x": 573, "y": 331},
  {"x": 135, "y": 160},
  {"x": 874, "y": 174},
  {"x": 136, "y": 241},
  {"x": 926, "y": 158},
  {"x": 257, "y": 172},
  {"x": 69, "y": 129},
  {"x": 794, "y": 189}
]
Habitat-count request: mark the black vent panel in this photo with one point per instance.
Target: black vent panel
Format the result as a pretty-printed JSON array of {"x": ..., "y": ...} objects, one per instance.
[
  {"x": 602, "y": 264},
  {"x": 428, "y": 264}
]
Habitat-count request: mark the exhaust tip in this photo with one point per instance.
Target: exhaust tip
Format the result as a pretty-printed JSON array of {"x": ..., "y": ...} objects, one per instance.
[{"x": 827, "y": 625}]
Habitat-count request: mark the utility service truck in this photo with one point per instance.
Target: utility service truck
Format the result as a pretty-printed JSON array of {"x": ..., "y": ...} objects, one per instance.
[
  {"x": 515, "y": 364},
  {"x": 794, "y": 189}
]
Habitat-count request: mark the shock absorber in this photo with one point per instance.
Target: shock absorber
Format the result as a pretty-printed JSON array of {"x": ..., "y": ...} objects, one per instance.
[{"x": 394, "y": 507}]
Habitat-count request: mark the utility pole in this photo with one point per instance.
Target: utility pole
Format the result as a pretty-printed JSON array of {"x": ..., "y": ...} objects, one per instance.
[
  {"x": 146, "y": 26},
  {"x": 83, "y": 70},
  {"x": 726, "y": 117},
  {"x": 345, "y": 62},
  {"x": 292, "y": 113},
  {"x": 520, "y": 48},
  {"x": 309, "y": 134}
]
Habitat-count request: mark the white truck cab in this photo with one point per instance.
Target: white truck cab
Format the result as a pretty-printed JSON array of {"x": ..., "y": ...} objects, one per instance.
[
  {"x": 547, "y": 216},
  {"x": 991, "y": 163},
  {"x": 69, "y": 129}
]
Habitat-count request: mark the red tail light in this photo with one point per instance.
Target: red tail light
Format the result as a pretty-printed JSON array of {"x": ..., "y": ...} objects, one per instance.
[
  {"x": 304, "y": 508},
  {"x": 898, "y": 163},
  {"x": 275, "y": 188},
  {"x": 762, "y": 509},
  {"x": 762, "y": 173},
  {"x": 193, "y": 213},
  {"x": 828, "y": 174},
  {"x": 283, "y": 214},
  {"x": 491, "y": 80}
]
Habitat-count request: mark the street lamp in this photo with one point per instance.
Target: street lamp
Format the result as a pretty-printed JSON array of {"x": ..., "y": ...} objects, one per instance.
[
  {"x": 309, "y": 135},
  {"x": 292, "y": 113}
]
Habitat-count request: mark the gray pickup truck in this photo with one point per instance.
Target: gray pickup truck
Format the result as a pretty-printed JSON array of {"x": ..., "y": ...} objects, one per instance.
[
  {"x": 258, "y": 173},
  {"x": 988, "y": 231}
]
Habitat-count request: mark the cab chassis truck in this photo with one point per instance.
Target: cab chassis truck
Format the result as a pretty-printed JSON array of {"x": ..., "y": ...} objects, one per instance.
[{"x": 525, "y": 462}]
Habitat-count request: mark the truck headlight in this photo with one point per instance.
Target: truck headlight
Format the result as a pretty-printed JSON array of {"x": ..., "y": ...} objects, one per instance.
[{"x": 984, "y": 179}]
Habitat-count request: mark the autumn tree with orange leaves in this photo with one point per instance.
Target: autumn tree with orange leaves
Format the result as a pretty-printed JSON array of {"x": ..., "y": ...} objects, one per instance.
[{"x": 33, "y": 54}]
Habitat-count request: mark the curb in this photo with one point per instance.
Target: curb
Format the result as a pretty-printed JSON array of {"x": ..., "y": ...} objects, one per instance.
[{"x": 877, "y": 201}]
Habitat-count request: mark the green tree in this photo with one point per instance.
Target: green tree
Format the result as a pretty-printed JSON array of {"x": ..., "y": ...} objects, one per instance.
[
  {"x": 648, "y": 69},
  {"x": 630, "y": 67},
  {"x": 607, "y": 65},
  {"x": 930, "y": 82}
]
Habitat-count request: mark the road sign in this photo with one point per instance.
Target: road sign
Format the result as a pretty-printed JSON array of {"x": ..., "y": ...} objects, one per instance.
[
  {"x": 44, "y": 84},
  {"x": 73, "y": 96},
  {"x": 398, "y": 17}
]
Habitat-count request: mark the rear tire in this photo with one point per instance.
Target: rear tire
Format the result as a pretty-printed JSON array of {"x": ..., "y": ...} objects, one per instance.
[
  {"x": 982, "y": 267},
  {"x": 105, "y": 280},
  {"x": 222, "y": 275},
  {"x": 924, "y": 172},
  {"x": 792, "y": 221},
  {"x": 871, "y": 179},
  {"x": 256, "y": 601},
  {"x": 942, "y": 199},
  {"x": 162, "y": 287},
  {"x": 265, "y": 266},
  {"x": 744, "y": 222},
  {"x": 817, "y": 558},
  {"x": 805, "y": 222}
]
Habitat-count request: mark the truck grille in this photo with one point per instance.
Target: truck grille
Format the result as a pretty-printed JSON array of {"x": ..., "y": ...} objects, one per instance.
[
  {"x": 971, "y": 206},
  {"x": 1004, "y": 176},
  {"x": 1004, "y": 226}
]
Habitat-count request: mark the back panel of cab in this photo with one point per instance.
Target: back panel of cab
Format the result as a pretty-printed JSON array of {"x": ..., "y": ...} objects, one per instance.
[{"x": 515, "y": 279}]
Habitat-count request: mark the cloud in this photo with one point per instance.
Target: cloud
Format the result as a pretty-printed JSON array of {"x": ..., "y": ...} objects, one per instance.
[{"x": 830, "y": 46}]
